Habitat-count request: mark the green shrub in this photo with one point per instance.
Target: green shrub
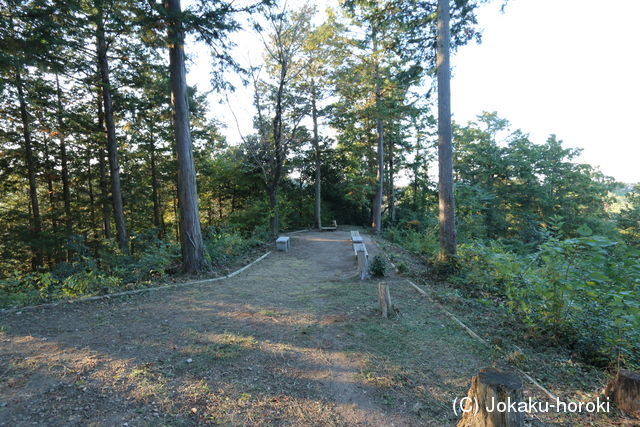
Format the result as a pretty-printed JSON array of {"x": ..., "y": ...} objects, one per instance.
[
  {"x": 255, "y": 216},
  {"x": 444, "y": 269},
  {"x": 89, "y": 283},
  {"x": 153, "y": 259},
  {"x": 486, "y": 267},
  {"x": 402, "y": 267},
  {"x": 224, "y": 244},
  {"x": 378, "y": 266},
  {"x": 107, "y": 272},
  {"x": 24, "y": 289},
  {"x": 419, "y": 242},
  {"x": 584, "y": 290}
]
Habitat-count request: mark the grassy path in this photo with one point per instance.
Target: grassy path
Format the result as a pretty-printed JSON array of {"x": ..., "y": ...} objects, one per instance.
[{"x": 295, "y": 339}]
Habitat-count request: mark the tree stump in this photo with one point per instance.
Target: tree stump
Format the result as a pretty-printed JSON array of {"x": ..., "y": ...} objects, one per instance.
[
  {"x": 384, "y": 298},
  {"x": 493, "y": 390},
  {"x": 624, "y": 391}
]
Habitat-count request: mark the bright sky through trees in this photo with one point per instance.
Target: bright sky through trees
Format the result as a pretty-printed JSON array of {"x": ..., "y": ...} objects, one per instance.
[{"x": 567, "y": 67}]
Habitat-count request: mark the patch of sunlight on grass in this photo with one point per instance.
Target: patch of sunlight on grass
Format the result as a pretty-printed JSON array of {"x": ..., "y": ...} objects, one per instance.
[
  {"x": 270, "y": 313},
  {"x": 230, "y": 345}
]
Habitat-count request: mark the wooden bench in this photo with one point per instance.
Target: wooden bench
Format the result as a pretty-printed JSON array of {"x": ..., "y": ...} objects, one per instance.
[
  {"x": 362, "y": 256},
  {"x": 334, "y": 227},
  {"x": 356, "y": 238},
  {"x": 282, "y": 243}
]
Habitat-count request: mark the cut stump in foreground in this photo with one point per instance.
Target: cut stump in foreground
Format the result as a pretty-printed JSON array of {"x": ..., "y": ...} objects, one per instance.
[
  {"x": 624, "y": 391},
  {"x": 384, "y": 298},
  {"x": 490, "y": 390}
]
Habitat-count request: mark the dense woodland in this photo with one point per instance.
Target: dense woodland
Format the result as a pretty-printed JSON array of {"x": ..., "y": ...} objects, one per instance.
[{"x": 113, "y": 176}]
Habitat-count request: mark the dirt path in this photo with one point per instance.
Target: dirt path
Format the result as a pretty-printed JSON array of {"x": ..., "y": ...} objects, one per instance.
[{"x": 295, "y": 339}]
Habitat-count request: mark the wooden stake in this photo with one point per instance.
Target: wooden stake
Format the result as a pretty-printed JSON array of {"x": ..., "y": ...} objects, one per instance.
[{"x": 384, "y": 298}]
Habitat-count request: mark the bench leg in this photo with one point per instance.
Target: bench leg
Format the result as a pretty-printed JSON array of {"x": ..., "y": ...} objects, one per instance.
[{"x": 363, "y": 265}]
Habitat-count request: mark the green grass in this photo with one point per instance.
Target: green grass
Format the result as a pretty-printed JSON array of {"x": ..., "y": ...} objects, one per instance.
[{"x": 230, "y": 346}]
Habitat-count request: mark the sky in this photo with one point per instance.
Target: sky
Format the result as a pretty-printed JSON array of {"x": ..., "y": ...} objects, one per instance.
[
  {"x": 564, "y": 67},
  {"x": 569, "y": 67}
]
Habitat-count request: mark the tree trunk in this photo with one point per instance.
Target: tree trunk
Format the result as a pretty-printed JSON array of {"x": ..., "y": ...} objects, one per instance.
[
  {"x": 278, "y": 154},
  {"x": 112, "y": 146},
  {"x": 392, "y": 196},
  {"x": 233, "y": 200},
  {"x": 157, "y": 219},
  {"x": 193, "y": 260},
  {"x": 66, "y": 195},
  {"x": 491, "y": 389},
  {"x": 624, "y": 391},
  {"x": 377, "y": 208},
  {"x": 102, "y": 170},
  {"x": 36, "y": 225},
  {"x": 445, "y": 148},
  {"x": 275, "y": 218},
  {"x": 415, "y": 186},
  {"x": 176, "y": 216},
  {"x": 316, "y": 148},
  {"x": 50, "y": 187},
  {"x": 92, "y": 214}
]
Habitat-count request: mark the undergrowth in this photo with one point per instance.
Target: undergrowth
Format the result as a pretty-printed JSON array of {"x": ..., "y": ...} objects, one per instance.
[
  {"x": 105, "y": 269},
  {"x": 582, "y": 292}
]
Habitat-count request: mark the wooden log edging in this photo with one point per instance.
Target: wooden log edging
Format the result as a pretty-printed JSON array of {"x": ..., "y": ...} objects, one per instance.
[
  {"x": 299, "y": 231},
  {"x": 477, "y": 337},
  {"x": 134, "y": 291}
]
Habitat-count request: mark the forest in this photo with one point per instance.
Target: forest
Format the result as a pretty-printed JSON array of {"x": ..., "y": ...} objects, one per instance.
[{"x": 115, "y": 173}]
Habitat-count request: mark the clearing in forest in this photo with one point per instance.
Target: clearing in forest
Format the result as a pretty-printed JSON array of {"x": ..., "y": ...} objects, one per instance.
[{"x": 294, "y": 339}]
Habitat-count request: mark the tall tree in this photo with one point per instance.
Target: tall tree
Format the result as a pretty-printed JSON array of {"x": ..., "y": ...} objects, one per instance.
[
  {"x": 446, "y": 203},
  {"x": 112, "y": 144},
  {"x": 31, "y": 171},
  {"x": 193, "y": 259},
  {"x": 317, "y": 157},
  {"x": 313, "y": 82},
  {"x": 377, "y": 207},
  {"x": 66, "y": 194},
  {"x": 285, "y": 63},
  {"x": 24, "y": 44},
  {"x": 102, "y": 170}
]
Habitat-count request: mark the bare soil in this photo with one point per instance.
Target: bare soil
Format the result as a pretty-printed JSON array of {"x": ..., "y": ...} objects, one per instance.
[{"x": 296, "y": 339}]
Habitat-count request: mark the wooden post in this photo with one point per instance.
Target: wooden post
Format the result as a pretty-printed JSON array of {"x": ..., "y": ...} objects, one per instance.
[
  {"x": 384, "y": 298},
  {"x": 624, "y": 391},
  {"x": 490, "y": 390}
]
